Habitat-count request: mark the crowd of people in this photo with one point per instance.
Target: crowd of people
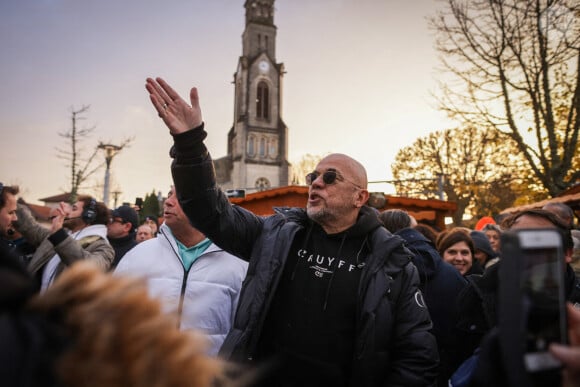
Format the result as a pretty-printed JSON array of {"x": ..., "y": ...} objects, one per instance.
[{"x": 333, "y": 294}]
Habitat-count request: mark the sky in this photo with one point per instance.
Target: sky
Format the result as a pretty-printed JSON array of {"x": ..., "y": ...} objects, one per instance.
[{"x": 360, "y": 80}]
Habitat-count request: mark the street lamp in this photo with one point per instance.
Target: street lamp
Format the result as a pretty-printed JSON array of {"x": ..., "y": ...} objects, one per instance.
[{"x": 110, "y": 152}]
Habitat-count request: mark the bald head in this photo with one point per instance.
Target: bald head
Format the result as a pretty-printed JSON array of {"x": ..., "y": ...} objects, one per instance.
[
  {"x": 337, "y": 192},
  {"x": 350, "y": 168}
]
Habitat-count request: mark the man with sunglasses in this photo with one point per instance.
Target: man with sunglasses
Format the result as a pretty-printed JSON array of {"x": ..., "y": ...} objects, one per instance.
[
  {"x": 330, "y": 298},
  {"x": 123, "y": 222}
]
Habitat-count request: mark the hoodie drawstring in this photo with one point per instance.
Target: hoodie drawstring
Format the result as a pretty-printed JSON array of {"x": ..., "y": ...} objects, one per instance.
[{"x": 333, "y": 272}]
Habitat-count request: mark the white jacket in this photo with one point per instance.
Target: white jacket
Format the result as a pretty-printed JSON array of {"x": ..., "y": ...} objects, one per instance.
[{"x": 204, "y": 298}]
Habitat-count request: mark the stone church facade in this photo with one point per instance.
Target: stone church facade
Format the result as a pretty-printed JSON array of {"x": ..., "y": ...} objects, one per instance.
[{"x": 257, "y": 151}]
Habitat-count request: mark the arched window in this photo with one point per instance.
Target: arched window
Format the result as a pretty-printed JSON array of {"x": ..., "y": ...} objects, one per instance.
[
  {"x": 263, "y": 101},
  {"x": 273, "y": 148},
  {"x": 251, "y": 146},
  {"x": 262, "y": 147}
]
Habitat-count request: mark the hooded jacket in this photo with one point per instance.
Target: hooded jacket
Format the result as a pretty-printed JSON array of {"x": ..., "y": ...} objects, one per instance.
[
  {"x": 204, "y": 297},
  {"x": 392, "y": 342},
  {"x": 441, "y": 285}
]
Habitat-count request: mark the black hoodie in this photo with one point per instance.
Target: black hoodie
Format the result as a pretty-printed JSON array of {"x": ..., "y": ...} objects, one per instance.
[{"x": 312, "y": 320}]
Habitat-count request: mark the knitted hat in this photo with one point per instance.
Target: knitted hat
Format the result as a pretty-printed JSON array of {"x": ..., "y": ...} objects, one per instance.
[
  {"x": 482, "y": 243},
  {"x": 483, "y": 221}
]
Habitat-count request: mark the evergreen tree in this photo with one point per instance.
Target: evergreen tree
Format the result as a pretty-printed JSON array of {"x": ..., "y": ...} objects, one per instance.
[{"x": 150, "y": 206}]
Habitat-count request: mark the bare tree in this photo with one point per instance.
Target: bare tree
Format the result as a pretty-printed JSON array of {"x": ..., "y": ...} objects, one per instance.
[
  {"x": 80, "y": 163},
  {"x": 306, "y": 165},
  {"x": 514, "y": 67}
]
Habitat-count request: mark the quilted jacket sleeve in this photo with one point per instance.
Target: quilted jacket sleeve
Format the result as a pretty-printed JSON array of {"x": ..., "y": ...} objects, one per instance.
[
  {"x": 414, "y": 349},
  {"x": 230, "y": 227}
]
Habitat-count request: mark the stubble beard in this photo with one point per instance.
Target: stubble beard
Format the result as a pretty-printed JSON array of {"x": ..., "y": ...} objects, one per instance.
[
  {"x": 318, "y": 215},
  {"x": 324, "y": 216},
  {"x": 329, "y": 215},
  {"x": 74, "y": 224}
]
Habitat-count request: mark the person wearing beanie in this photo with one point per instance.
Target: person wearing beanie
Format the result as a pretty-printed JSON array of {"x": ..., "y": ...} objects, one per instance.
[
  {"x": 121, "y": 231},
  {"x": 484, "y": 221},
  {"x": 483, "y": 251}
]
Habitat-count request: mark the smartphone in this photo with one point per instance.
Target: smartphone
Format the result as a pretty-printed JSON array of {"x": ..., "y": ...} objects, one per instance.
[{"x": 534, "y": 272}]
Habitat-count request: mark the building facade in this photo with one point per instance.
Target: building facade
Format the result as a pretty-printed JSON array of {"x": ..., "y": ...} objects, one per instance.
[{"x": 257, "y": 151}]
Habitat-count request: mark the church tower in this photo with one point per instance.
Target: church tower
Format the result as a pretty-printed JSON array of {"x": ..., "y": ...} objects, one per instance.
[{"x": 257, "y": 156}]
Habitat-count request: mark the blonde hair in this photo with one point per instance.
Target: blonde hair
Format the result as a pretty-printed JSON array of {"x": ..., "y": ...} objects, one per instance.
[{"x": 120, "y": 337}]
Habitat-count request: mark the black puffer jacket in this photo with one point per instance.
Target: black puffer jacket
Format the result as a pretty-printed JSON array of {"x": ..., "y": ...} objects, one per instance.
[
  {"x": 441, "y": 284},
  {"x": 393, "y": 345}
]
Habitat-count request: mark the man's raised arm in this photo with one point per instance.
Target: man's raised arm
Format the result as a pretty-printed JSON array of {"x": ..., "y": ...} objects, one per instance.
[{"x": 206, "y": 206}]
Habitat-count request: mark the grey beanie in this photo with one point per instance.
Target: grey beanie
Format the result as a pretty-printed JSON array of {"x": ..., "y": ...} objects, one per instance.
[{"x": 482, "y": 243}]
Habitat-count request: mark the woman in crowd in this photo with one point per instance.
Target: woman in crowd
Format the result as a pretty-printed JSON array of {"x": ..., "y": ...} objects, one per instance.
[
  {"x": 457, "y": 248},
  {"x": 493, "y": 233}
]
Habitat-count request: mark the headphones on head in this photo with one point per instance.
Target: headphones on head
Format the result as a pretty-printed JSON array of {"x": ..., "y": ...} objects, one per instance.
[
  {"x": 90, "y": 212},
  {"x": 1, "y": 187}
]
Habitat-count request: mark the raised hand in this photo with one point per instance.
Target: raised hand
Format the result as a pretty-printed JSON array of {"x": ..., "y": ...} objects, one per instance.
[
  {"x": 570, "y": 355},
  {"x": 58, "y": 217},
  {"x": 175, "y": 112}
]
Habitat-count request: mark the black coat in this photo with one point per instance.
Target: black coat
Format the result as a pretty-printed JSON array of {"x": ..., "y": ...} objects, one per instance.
[
  {"x": 393, "y": 345},
  {"x": 121, "y": 246},
  {"x": 441, "y": 284}
]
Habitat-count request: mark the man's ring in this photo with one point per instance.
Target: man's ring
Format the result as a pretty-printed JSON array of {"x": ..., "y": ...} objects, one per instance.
[{"x": 165, "y": 106}]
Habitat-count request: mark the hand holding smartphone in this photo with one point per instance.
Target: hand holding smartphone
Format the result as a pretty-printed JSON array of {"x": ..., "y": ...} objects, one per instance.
[{"x": 532, "y": 304}]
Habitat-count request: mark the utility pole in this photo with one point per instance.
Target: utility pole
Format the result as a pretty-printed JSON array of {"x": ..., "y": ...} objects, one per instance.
[
  {"x": 116, "y": 197},
  {"x": 110, "y": 152}
]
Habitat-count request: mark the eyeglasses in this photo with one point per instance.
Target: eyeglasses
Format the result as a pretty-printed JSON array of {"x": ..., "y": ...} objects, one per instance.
[
  {"x": 115, "y": 220},
  {"x": 328, "y": 177}
]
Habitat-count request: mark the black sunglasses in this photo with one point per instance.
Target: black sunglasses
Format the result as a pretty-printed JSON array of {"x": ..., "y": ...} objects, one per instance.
[
  {"x": 116, "y": 220},
  {"x": 328, "y": 177}
]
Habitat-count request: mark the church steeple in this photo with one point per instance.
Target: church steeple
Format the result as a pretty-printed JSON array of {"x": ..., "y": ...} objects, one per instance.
[
  {"x": 260, "y": 32},
  {"x": 258, "y": 140},
  {"x": 260, "y": 11}
]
